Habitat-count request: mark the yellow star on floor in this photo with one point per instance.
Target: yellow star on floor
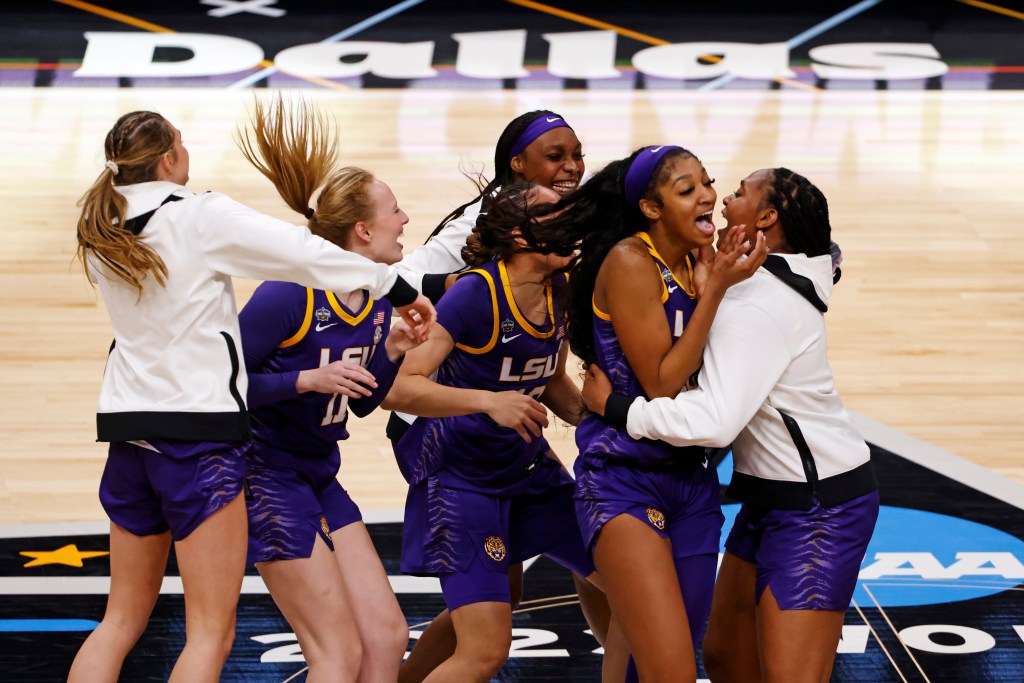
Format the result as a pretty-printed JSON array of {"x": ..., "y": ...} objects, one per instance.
[{"x": 69, "y": 555}]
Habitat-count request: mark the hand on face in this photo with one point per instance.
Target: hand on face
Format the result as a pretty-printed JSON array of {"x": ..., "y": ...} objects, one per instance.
[{"x": 725, "y": 267}]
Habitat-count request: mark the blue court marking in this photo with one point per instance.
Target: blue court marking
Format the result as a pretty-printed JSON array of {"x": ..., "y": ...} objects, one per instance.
[
  {"x": 725, "y": 470},
  {"x": 41, "y": 625},
  {"x": 809, "y": 34},
  {"x": 340, "y": 35}
]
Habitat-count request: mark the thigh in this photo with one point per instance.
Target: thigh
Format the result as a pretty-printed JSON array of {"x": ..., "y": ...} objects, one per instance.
[
  {"x": 311, "y": 595},
  {"x": 639, "y": 576},
  {"x": 730, "y": 644},
  {"x": 212, "y": 563},
  {"x": 796, "y": 646},
  {"x": 483, "y": 628},
  {"x": 366, "y": 584},
  {"x": 137, "y": 566}
]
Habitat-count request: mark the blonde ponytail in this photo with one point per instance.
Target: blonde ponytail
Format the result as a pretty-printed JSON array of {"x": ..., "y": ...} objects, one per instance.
[
  {"x": 132, "y": 148},
  {"x": 295, "y": 147}
]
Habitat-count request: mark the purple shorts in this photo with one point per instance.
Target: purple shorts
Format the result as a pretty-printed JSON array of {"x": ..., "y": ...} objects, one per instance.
[
  {"x": 176, "y": 487},
  {"x": 810, "y": 558},
  {"x": 287, "y": 512},
  {"x": 469, "y": 538},
  {"x": 679, "y": 503}
]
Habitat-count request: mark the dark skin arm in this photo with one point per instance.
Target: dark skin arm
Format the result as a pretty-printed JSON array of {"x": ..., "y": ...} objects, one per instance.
[{"x": 629, "y": 287}]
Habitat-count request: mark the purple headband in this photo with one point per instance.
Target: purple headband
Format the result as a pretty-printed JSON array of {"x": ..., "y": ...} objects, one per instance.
[
  {"x": 539, "y": 126},
  {"x": 639, "y": 173}
]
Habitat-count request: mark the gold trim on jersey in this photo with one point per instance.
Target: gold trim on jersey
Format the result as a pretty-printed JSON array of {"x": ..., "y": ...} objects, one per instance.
[
  {"x": 520, "y": 318},
  {"x": 340, "y": 310},
  {"x": 598, "y": 312},
  {"x": 691, "y": 291},
  {"x": 494, "y": 305},
  {"x": 306, "y": 322}
]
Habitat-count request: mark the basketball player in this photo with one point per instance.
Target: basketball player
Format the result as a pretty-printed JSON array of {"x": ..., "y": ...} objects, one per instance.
[
  {"x": 802, "y": 473},
  {"x": 485, "y": 490},
  {"x": 538, "y": 147},
  {"x": 306, "y": 535},
  {"x": 171, "y": 404},
  {"x": 641, "y": 306}
]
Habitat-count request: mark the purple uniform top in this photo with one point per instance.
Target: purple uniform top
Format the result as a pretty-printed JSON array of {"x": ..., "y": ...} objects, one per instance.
[
  {"x": 496, "y": 349},
  {"x": 599, "y": 441},
  {"x": 287, "y": 328}
]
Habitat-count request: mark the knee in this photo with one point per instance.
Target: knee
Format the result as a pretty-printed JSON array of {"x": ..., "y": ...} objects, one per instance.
[
  {"x": 341, "y": 658},
  {"x": 717, "y": 661},
  {"x": 487, "y": 661},
  {"x": 389, "y": 640}
]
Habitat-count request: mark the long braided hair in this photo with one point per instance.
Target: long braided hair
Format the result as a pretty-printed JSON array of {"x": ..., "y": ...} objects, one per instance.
[
  {"x": 135, "y": 145},
  {"x": 503, "y": 174},
  {"x": 803, "y": 212}
]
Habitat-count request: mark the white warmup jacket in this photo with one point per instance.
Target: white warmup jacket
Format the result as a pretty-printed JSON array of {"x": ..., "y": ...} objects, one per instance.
[
  {"x": 174, "y": 370},
  {"x": 765, "y": 365},
  {"x": 441, "y": 255}
]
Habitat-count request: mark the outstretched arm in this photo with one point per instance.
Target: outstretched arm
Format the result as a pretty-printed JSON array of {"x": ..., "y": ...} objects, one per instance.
[{"x": 415, "y": 392}]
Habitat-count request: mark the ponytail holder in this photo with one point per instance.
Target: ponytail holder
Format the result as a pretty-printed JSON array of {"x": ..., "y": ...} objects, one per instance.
[
  {"x": 309, "y": 214},
  {"x": 111, "y": 165}
]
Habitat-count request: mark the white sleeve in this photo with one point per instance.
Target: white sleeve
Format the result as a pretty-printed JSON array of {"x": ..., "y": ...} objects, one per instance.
[
  {"x": 443, "y": 252},
  {"x": 745, "y": 356},
  {"x": 239, "y": 241}
]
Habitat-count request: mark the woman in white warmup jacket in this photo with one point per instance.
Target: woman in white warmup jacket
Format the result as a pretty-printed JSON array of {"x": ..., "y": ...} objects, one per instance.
[
  {"x": 172, "y": 402},
  {"x": 802, "y": 473}
]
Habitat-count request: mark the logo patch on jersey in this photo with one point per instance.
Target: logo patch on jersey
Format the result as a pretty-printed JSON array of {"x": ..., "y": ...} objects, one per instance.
[
  {"x": 323, "y": 314},
  {"x": 507, "y": 325},
  {"x": 379, "y": 318},
  {"x": 495, "y": 548},
  {"x": 378, "y": 332},
  {"x": 666, "y": 274},
  {"x": 323, "y": 526},
  {"x": 656, "y": 518},
  {"x": 560, "y": 333}
]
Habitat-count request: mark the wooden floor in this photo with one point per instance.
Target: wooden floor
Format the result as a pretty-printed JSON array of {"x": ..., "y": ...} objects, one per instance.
[{"x": 926, "y": 191}]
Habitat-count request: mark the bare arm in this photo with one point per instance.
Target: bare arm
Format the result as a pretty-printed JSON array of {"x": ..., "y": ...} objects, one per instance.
[
  {"x": 661, "y": 366},
  {"x": 561, "y": 394},
  {"x": 416, "y": 393}
]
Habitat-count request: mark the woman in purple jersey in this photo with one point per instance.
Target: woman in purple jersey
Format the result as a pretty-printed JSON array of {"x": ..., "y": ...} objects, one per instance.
[
  {"x": 801, "y": 471},
  {"x": 485, "y": 490},
  {"x": 641, "y": 306},
  {"x": 172, "y": 403},
  {"x": 538, "y": 147},
  {"x": 312, "y": 356}
]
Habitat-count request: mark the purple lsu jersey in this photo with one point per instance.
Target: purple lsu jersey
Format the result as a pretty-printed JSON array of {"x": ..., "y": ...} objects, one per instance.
[
  {"x": 496, "y": 349},
  {"x": 287, "y": 328},
  {"x": 597, "y": 440}
]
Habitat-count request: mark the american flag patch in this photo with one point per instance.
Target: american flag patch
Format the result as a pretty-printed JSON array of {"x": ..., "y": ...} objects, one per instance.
[
  {"x": 560, "y": 333},
  {"x": 379, "y": 318}
]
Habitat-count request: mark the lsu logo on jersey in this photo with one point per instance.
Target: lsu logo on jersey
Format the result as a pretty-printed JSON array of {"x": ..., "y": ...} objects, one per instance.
[
  {"x": 535, "y": 368},
  {"x": 495, "y": 548},
  {"x": 656, "y": 518},
  {"x": 323, "y": 526}
]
